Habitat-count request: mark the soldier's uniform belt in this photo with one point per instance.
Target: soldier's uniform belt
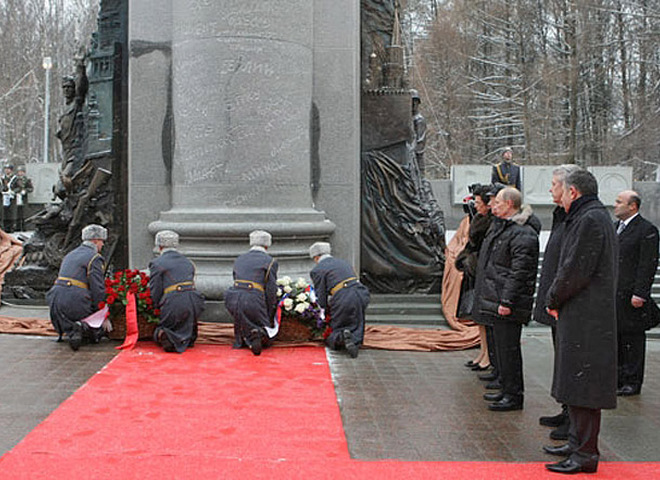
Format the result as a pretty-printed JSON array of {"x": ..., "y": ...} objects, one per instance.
[
  {"x": 69, "y": 282},
  {"x": 178, "y": 287},
  {"x": 248, "y": 284},
  {"x": 342, "y": 284}
]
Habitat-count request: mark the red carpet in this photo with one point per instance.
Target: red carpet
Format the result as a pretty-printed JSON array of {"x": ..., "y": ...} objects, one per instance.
[{"x": 215, "y": 412}]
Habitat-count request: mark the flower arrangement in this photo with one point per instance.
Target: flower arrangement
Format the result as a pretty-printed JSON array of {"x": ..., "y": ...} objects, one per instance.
[
  {"x": 298, "y": 304},
  {"x": 117, "y": 289}
]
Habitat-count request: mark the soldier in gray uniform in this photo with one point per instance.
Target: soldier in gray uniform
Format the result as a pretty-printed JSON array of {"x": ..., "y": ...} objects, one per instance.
[
  {"x": 253, "y": 297},
  {"x": 347, "y": 302},
  {"x": 172, "y": 286},
  {"x": 79, "y": 289}
]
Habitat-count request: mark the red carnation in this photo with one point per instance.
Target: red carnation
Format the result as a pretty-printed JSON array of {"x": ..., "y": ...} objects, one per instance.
[{"x": 101, "y": 305}]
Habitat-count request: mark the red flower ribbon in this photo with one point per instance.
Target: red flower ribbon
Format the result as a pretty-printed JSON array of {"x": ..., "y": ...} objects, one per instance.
[{"x": 131, "y": 324}]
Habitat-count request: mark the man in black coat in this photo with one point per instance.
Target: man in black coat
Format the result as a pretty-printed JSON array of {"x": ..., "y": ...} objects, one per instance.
[
  {"x": 342, "y": 296},
  {"x": 172, "y": 286},
  {"x": 506, "y": 172},
  {"x": 79, "y": 288},
  {"x": 582, "y": 300},
  {"x": 504, "y": 290},
  {"x": 548, "y": 272},
  {"x": 253, "y": 297},
  {"x": 638, "y": 262}
]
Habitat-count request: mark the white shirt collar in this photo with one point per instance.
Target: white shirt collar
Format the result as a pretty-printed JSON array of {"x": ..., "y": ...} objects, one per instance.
[{"x": 629, "y": 219}]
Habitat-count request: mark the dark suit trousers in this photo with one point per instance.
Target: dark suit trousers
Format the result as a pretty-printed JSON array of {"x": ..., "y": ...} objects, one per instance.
[
  {"x": 492, "y": 354},
  {"x": 583, "y": 433},
  {"x": 632, "y": 353},
  {"x": 509, "y": 356}
]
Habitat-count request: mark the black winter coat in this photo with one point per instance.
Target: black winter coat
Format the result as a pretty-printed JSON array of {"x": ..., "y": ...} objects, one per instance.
[
  {"x": 506, "y": 271},
  {"x": 549, "y": 267},
  {"x": 638, "y": 262},
  {"x": 466, "y": 260},
  {"x": 584, "y": 291}
]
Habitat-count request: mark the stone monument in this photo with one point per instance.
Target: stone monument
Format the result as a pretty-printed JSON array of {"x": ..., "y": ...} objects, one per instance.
[{"x": 244, "y": 116}]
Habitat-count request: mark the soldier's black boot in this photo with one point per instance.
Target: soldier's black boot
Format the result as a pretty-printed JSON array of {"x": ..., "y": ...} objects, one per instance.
[
  {"x": 75, "y": 336},
  {"x": 349, "y": 343},
  {"x": 255, "y": 342}
]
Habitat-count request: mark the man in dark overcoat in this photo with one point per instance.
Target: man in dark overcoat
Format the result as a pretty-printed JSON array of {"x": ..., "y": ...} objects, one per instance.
[
  {"x": 504, "y": 289},
  {"x": 638, "y": 262},
  {"x": 343, "y": 297},
  {"x": 582, "y": 300},
  {"x": 79, "y": 288},
  {"x": 253, "y": 297},
  {"x": 548, "y": 272},
  {"x": 172, "y": 287}
]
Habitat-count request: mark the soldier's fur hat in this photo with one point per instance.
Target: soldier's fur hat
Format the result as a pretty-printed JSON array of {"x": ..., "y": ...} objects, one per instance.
[
  {"x": 319, "y": 248},
  {"x": 260, "y": 238},
  {"x": 94, "y": 232},
  {"x": 167, "y": 239}
]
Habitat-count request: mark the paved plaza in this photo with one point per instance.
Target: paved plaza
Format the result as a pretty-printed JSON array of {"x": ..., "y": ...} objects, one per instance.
[{"x": 394, "y": 405}]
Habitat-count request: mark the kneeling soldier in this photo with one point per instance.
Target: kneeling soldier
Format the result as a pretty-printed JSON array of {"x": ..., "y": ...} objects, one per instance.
[
  {"x": 79, "y": 289},
  {"x": 253, "y": 297},
  {"x": 348, "y": 300},
  {"x": 173, "y": 291}
]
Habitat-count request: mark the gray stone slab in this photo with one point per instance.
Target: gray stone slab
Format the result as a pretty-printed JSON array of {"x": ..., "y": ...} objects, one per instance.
[
  {"x": 464, "y": 175},
  {"x": 44, "y": 176}
]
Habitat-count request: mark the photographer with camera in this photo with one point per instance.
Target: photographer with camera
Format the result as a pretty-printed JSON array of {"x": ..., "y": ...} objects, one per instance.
[{"x": 477, "y": 207}]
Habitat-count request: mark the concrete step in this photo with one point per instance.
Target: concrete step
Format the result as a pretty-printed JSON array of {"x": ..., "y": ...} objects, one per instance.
[{"x": 406, "y": 310}]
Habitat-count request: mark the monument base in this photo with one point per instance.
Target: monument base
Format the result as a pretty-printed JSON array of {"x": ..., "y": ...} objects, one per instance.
[{"x": 214, "y": 238}]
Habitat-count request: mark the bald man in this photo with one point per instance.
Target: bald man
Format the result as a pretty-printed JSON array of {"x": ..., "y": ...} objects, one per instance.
[{"x": 636, "y": 310}]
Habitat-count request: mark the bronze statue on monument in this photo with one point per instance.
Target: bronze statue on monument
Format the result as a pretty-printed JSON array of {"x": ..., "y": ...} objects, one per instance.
[{"x": 81, "y": 196}]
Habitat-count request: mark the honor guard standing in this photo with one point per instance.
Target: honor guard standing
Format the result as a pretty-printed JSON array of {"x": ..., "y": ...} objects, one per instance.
[
  {"x": 8, "y": 185},
  {"x": 342, "y": 296},
  {"x": 253, "y": 297},
  {"x": 79, "y": 289},
  {"x": 172, "y": 286},
  {"x": 22, "y": 188},
  {"x": 506, "y": 172}
]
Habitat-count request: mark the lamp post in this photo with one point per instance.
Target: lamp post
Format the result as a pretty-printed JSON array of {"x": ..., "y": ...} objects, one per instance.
[{"x": 47, "y": 64}]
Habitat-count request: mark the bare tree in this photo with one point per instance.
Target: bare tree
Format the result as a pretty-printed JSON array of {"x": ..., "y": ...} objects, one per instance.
[{"x": 29, "y": 31}]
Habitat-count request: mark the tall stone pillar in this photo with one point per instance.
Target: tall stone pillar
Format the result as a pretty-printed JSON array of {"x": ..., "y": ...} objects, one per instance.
[{"x": 241, "y": 103}]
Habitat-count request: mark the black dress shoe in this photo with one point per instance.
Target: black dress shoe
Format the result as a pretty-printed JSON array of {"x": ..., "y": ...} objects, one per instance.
[
  {"x": 507, "y": 404},
  {"x": 479, "y": 368},
  {"x": 561, "y": 432},
  {"x": 496, "y": 385},
  {"x": 470, "y": 364},
  {"x": 493, "y": 396},
  {"x": 555, "y": 420},
  {"x": 560, "y": 450},
  {"x": 488, "y": 377},
  {"x": 571, "y": 466},
  {"x": 349, "y": 343},
  {"x": 628, "y": 391}
]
